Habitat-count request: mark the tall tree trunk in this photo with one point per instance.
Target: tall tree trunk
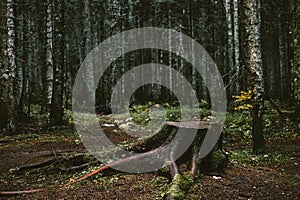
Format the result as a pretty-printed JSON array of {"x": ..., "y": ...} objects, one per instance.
[
  {"x": 47, "y": 70},
  {"x": 236, "y": 44},
  {"x": 24, "y": 64},
  {"x": 256, "y": 69},
  {"x": 285, "y": 51},
  {"x": 49, "y": 57},
  {"x": 296, "y": 59},
  {"x": 57, "y": 110},
  {"x": 230, "y": 47},
  {"x": 11, "y": 102},
  {"x": 89, "y": 76}
]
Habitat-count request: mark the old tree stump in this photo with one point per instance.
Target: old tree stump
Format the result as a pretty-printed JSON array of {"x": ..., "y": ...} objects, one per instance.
[{"x": 214, "y": 162}]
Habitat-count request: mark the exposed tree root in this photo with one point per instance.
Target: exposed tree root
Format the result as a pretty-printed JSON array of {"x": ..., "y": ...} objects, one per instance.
[{"x": 103, "y": 168}]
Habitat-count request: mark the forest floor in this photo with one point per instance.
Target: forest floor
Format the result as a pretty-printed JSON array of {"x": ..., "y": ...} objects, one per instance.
[{"x": 275, "y": 175}]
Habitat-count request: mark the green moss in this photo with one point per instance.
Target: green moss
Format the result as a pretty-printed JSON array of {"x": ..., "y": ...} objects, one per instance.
[
  {"x": 219, "y": 161},
  {"x": 179, "y": 188}
]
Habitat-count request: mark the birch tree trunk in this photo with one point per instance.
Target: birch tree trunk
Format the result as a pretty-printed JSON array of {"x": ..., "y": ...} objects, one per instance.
[
  {"x": 11, "y": 103},
  {"x": 230, "y": 44},
  {"x": 49, "y": 58},
  {"x": 89, "y": 76},
  {"x": 236, "y": 44},
  {"x": 256, "y": 69},
  {"x": 57, "y": 110},
  {"x": 47, "y": 70}
]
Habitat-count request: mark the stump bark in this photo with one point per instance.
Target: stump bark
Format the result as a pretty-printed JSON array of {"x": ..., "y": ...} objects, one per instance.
[{"x": 215, "y": 161}]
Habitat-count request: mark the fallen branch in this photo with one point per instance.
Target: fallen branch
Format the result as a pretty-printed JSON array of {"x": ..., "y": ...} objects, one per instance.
[
  {"x": 40, "y": 164},
  {"x": 79, "y": 167},
  {"x": 46, "y": 162},
  {"x": 7, "y": 193},
  {"x": 58, "y": 152}
]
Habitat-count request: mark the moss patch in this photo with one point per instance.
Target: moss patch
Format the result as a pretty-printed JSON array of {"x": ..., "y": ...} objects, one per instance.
[{"x": 179, "y": 188}]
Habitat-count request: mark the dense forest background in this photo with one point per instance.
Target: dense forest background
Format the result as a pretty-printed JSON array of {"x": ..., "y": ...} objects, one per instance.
[
  {"x": 254, "y": 43},
  {"x": 44, "y": 43}
]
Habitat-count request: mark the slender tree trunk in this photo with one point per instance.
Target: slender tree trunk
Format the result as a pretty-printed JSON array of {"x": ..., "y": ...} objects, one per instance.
[
  {"x": 236, "y": 45},
  {"x": 49, "y": 57},
  {"x": 89, "y": 76},
  {"x": 230, "y": 45},
  {"x": 24, "y": 64},
  {"x": 11, "y": 103},
  {"x": 296, "y": 59},
  {"x": 256, "y": 69},
  {"x": 286, "y": 56},
  {"x": 47, "y": 70},
  {"x": 203, "y": 20},
  {"x": 57, "y": 110}
]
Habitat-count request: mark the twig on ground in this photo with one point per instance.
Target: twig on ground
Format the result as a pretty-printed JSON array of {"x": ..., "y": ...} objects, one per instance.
[
  {"x": 40, "y": 164},
  {"x": 74, "y": 168}
]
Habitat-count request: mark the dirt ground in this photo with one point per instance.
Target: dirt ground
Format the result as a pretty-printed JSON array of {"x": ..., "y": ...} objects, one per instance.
[{"x": 274, "y": 179}]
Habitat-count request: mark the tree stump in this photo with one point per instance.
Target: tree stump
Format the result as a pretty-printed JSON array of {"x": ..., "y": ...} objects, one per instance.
[{"x": 214, "y": 161}]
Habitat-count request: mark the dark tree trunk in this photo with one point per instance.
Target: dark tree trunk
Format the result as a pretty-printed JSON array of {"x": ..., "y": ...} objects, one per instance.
[
  {"x": 296, "y": 59},
  {"x": 57, "y": 110},
  {"x": 24, "y": 64},
  {"x": 47, "y": 55}
]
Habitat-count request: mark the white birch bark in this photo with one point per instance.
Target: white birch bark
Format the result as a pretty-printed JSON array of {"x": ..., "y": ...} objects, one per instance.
[
  {"x": 89, "y": 78},
  {"x": 236, "y": 44},
  {"x": 256, "y": 69},
  {"x": 230, "y": 34},
  {"x": 11, "y": 117},
  {"x": 49, "y": 46}
]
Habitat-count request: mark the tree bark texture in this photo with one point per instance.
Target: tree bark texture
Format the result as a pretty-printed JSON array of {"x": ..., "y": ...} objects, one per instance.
[
  {"x": 57, "y": 110},
  {"x": 256, "y": 70},
  {"x": 11, "y": 104}
]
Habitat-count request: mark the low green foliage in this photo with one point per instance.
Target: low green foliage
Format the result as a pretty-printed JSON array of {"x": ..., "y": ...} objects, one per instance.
[
  {"x": 278, "y": 127},
  {"x": 237, "y": 127},
  {"x": 219, "y": 161},
  {"x": 140, "y": 113},
  {"x": 245, "y": 157}
]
